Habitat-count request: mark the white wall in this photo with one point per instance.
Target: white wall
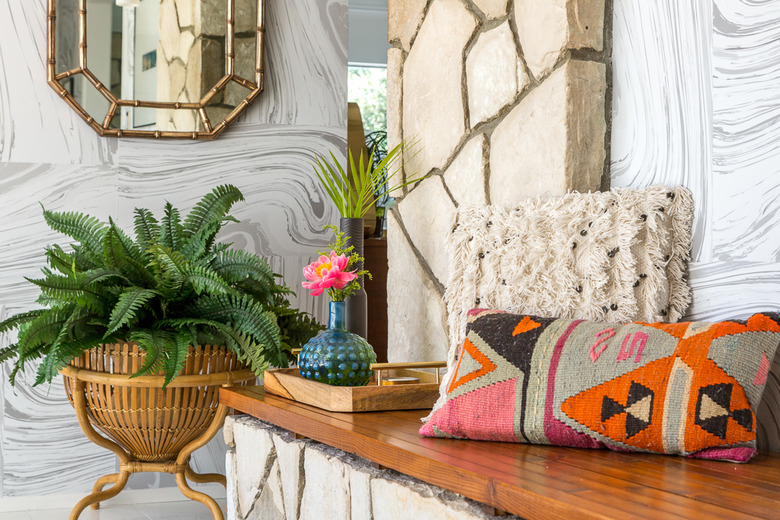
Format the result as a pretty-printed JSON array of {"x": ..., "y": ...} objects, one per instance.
[
  {"x": 368, "y": 32},
  {"x": 48, "y": 154}
]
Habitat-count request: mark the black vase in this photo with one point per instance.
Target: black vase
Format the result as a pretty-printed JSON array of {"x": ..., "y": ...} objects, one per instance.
[{"x": 357, "y": 301}]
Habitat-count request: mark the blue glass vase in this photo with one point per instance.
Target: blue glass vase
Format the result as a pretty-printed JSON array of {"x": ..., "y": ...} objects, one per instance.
[{"x": 336, "y": 356}]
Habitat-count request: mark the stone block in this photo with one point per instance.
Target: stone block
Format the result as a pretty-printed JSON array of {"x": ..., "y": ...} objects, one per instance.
[
  {"x": 213, "y": 18},
  {"x": 169, "y": 33},
  {"x": 394, "y": 499},
  {"x": 426, "y": 212},
  {"x": 227, "y": 430},
  {"x": 403, "y": 19},
  {"x": 246, "y": 54},
  {"x": 230, "y": 487},
  {"x": 586, "y": 125},
  {"x": 433, "y": 109},
  {"x": 465, "y": 176},
  {"x": 360, "y": 493},
  {"x": 547, "y": 29},
  {"x": 493, "y": 70},
  {"x": 269, "y": 504},
  {"x": 186, "y": 40},
  {"x": 416, "y": 314},
  {"x": 246, "y": 16},
  {"x": 289, "y": 454},
  {"x": 326, "y": 494},
  {"x": 255, "y": 459},
  {"x": 553, "y": 141},
  {"x": 194, "y": 79},
  {"x": 395, "y": 59},
  {"x": 492, "y": 8},
  {"x": 186, "y": 10}
]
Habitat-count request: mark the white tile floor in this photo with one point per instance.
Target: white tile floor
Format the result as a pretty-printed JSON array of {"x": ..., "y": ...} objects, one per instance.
[{"x": 184, "y": 510}]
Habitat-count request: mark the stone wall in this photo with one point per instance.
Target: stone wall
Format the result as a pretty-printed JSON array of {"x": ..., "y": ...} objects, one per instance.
[
  {"x": 508, "y": 100},
  {"x": 273, "y": 476},
  {"x": 191, "y": 58}
]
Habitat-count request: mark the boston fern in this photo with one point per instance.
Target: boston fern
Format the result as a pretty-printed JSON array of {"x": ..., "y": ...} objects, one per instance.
[{"x": 171, "y": 288}]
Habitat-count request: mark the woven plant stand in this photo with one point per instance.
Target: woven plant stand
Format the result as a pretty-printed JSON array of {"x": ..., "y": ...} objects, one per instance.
[{"x": 150, "y": 428}]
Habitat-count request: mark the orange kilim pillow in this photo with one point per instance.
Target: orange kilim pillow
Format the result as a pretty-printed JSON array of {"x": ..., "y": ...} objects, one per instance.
[{"x": 680, "y": 388}]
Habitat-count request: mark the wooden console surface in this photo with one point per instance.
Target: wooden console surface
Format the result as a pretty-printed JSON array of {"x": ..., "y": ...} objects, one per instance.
[{"x": 535, "y": 482}]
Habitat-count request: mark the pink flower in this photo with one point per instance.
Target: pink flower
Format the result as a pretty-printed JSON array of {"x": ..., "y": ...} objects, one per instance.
[{"x": 327, "y": 272}]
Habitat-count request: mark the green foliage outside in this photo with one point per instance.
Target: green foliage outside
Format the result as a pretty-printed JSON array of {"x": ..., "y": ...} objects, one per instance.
[
  {"x": 367, "y": 87},
  {"x": 170, "y": 288}
]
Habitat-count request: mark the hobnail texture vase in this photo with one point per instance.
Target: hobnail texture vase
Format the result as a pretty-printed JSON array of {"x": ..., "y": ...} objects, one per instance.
[{"x": 336, "y": 356}]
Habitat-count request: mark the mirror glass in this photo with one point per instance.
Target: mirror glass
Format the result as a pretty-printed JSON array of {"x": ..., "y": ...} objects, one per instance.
[{"x": 154, "y": 65}]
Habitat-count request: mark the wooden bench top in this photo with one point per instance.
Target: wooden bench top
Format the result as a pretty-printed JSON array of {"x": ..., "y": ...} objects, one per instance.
[{"x": 535, "y": 482}]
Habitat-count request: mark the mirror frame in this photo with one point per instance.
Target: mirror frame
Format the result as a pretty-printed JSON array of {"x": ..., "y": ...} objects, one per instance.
[{"x": 212, "y": 131}]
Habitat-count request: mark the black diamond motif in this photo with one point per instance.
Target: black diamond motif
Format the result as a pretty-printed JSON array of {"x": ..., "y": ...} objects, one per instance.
[
  {"x": 720, "y": 394},
  {"x": 637, "y": 392},
  {"x": 744, "y": 418},
  {"x": 610, "y": 408}
]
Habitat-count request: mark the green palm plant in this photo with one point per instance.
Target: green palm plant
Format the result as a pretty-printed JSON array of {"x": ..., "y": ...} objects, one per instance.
[
  {"x": 353, "y": 189},
  {"x": 170, "y": 288}
]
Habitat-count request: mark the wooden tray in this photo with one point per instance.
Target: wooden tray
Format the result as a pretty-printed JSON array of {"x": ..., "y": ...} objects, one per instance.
[{"x": 287, "y": 382}]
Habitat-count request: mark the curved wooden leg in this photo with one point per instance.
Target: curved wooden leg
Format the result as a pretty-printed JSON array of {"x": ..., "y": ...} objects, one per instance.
[
  {"x": 100, "y": 484},
  {"x": 203, "y": 498},
  {"x": 202, "y": 478},
  {"x": 100, "y": 496}
]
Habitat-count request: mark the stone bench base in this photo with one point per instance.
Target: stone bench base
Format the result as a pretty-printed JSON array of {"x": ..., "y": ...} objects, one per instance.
[{"x": 273, "y": 476}]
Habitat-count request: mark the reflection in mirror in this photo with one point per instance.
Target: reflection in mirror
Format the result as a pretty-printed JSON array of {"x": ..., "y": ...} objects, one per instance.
[{"x": 165, "y": 68}]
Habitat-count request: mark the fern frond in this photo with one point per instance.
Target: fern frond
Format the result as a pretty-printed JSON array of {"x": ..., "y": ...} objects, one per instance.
[
  {"x": 235, "y": 265},
  {"x": 119, "y": 253},
  {"x": 8, "y": 352},
  {"x": 154, "y": 343},
  {"x": 247, "y": 316},
  {"x": 252, "y": 354},
  {"x": 69, "y": 289},
  {"x": 171, "y": 266},
  {"x": 205, "y": 280},
  {"x": 17, "y": 320},
  {"x": 147, "y": 229},
  {"x": 212, "y": 208},
  {"x": 87, "y": 230},
  {"x": 61, "y": 350},
  {"x": 177, "y": 356},
  {"x": 125, "y": 312},
  {"x": 198, "y": 245},
  {"x": 171, "y": 231},
  {"x": 59, "y": 259},
  {"x": 44, "y": 329}
]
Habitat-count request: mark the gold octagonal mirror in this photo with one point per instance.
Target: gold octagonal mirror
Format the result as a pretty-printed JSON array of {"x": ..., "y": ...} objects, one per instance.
[{"x": 157, "y": 68}]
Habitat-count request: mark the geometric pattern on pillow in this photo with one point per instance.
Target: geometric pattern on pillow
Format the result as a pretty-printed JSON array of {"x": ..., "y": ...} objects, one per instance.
[
  {"x": 686, "y": 388},
  {"x": 614, "y": 256}
]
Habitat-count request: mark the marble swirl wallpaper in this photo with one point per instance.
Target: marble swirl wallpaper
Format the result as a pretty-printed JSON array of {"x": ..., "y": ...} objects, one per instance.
[
  {"x": 48, "y": 154},
  {"x": 696, "y": 101}
]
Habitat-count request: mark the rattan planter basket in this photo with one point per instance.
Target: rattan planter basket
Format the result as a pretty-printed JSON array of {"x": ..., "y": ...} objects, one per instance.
[{"x": 150, "y": 428}]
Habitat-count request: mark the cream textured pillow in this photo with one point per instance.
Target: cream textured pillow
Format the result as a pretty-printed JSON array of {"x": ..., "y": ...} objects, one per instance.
[{"x": 616, "y": 256}]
